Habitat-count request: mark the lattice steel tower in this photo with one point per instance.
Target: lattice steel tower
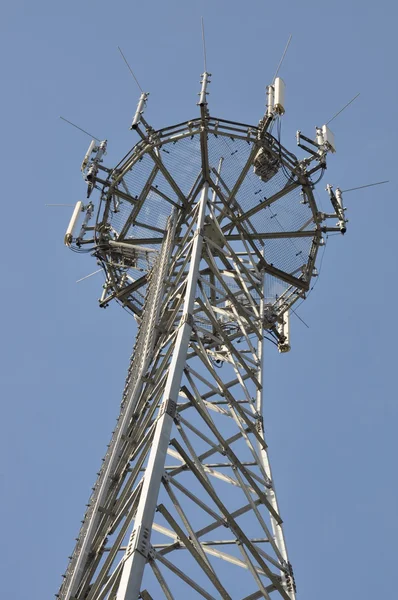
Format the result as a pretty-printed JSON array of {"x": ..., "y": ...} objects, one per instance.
[{"x": 208, "y": 232}]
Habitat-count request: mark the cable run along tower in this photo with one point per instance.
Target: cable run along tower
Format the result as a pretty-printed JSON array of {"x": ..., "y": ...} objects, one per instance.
[{"x": 207, "y": 232}]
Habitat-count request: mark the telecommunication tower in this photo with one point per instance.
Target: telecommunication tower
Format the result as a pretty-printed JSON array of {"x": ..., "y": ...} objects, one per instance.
[{"x": 207, "y": 232}]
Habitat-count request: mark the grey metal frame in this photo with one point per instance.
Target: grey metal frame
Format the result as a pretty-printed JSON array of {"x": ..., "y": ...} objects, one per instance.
[{"x": 188, "y": 458}]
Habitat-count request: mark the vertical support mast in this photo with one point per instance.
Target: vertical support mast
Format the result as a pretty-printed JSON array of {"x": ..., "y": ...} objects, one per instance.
[
  {"x": 139, "y": 545},
  {"x": 204, "y": 116},
  {"x": 277, "y": 528}
]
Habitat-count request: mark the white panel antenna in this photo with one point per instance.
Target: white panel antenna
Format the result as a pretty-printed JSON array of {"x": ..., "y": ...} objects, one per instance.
[
  {"x": 72, "y": 223},
  {"x": 328, "y": 138},
  {"x": 279, "y": 96},
  {"x": 88, "y": 154}
]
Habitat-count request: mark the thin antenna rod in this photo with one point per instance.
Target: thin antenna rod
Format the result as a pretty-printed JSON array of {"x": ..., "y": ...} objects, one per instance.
[
  {"x": 130, "y": 69},
  {"x": 80, "y": 129},
  {"x": 59, "y": 205},
  {"x": 298, "y": 316},
  {"x": 204, "y": 45},
  {"x": 87, "y": 276},
  {"x": 344, "y": 107},
  {"x": 282, "y": 59},
  {"x": 365, "y": 186}
]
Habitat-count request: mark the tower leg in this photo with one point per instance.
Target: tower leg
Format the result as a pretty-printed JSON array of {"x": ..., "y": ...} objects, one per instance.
[{"x": 137, "y": 552}]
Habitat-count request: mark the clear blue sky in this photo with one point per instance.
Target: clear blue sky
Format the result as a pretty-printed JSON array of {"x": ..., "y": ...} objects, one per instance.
[{"x": 331, "y": 415}]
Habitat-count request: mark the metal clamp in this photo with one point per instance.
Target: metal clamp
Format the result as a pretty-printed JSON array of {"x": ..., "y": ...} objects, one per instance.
[
  {"x": 187, "y": 318},
  {"x": 169, "y": 407}
]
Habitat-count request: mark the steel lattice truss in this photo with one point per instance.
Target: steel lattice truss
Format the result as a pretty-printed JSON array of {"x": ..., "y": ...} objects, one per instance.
[
  {"x": 279, "y": 218},
  {"x": 208, "y": 256}
]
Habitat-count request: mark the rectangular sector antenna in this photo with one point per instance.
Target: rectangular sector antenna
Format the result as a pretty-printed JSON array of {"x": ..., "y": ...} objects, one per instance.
[
  {"x": 279, "y": 96},
  {"x": 328, "y": 138}
]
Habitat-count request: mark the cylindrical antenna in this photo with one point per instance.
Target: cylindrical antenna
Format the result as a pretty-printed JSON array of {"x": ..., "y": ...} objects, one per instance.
[
  {"x": 365, "y": 186},
  {"x": 282, "y": 59},
  {"x": 72, "y": 223},
  {"x": 203, "y": 92},
  {"x": 341, "y": 110},
  {"x": 270, "y": 100},
  {"x": 140, "y": 110},
  {"x": 339, "y": 198}
]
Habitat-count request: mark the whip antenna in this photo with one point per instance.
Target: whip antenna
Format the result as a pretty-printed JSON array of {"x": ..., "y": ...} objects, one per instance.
[
  {"x": 130, "y": 69},
  {"x": 87, "y": 276},
  {"x": 344, "y": 107},
  {"x": 204, "y": 45},
  {"x": 361, "y": 187},
  {"x": 283, "y": 57},
  {"x": 80, "y": 129}
]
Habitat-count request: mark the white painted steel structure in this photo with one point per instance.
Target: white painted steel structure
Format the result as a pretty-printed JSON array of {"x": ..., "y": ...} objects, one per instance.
[{"x": 208, "y": 232}]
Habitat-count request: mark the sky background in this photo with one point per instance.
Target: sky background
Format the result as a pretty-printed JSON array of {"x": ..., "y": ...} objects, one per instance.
[{"x": 331, "y": 403}]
